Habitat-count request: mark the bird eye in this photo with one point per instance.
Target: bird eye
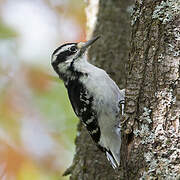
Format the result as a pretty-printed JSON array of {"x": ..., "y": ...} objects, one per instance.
[{"x": 73, "y": 49}]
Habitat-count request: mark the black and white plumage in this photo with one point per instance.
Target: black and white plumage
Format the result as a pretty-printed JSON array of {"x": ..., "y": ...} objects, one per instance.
[{"x": 94, "y": 96}]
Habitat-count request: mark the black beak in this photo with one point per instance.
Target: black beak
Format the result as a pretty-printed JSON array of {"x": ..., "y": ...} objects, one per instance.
[
  {"x": 84, "y": 45},
  {"x": 90, "y": 42}
]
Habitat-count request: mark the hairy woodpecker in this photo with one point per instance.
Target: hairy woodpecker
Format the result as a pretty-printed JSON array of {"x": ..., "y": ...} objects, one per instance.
[{"x": 94, "y": 96}]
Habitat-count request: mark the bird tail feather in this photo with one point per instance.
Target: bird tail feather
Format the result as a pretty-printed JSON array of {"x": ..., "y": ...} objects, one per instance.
[{"x": 114, "y": 160}]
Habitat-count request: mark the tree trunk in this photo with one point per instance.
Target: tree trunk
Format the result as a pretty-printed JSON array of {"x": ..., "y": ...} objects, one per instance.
[
  {"x": 151, "y": 141},
  {"x": 152, "y": 91}
]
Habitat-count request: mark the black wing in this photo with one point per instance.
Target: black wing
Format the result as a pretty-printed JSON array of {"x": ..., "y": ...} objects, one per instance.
[{"x": 82, "y": 105}]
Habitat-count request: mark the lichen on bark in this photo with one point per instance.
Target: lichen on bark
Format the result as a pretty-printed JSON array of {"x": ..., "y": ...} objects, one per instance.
[
  {"x": 151, "y": 148},
  {"x": 152, "y": 86}
]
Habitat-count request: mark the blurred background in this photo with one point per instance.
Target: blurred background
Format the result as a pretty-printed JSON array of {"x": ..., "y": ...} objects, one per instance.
[{"x": 37, "y": 123}]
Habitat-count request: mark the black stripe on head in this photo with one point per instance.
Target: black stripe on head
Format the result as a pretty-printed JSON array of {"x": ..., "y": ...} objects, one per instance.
[
  {"x": 62, "y": 55},
  {"x": 56, "y": 50}
]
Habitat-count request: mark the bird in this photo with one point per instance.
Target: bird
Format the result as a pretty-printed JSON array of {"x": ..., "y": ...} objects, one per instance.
[{"x": 96, "y": 99}]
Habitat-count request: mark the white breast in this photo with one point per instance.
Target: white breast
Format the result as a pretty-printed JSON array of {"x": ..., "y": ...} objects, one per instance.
[{"x": 104, "y": 90}]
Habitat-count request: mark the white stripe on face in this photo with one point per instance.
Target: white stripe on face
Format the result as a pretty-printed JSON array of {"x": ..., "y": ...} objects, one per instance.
[{"x": 60, "y": 50}]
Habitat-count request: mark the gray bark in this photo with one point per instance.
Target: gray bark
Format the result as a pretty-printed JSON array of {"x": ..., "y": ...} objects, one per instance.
[
  {"x": 152, "y": 99},
  {"x": 151, "y": 140}
]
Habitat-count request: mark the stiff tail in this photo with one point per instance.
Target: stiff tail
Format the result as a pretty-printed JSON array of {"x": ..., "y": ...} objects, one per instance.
[{"x": 114, "y": 160}]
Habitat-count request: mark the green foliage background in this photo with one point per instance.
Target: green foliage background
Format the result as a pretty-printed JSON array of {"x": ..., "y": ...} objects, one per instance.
[{"x": 34, "y": 101}]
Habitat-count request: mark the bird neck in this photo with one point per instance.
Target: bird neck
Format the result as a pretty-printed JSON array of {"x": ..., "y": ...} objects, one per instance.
[{"x": 77, "y": 69}]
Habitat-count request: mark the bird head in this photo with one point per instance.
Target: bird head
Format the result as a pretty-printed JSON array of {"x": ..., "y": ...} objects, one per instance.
[{"x": 65, "y": 56}]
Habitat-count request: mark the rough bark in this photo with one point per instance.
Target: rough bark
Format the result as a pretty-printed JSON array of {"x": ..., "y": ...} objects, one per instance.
[{"x": 152, "y": 111}]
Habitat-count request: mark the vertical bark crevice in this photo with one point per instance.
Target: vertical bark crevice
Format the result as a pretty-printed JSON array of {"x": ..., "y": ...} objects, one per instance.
[
  {"x": 152, "y": 149},
  {"x": 149, "y": 88}
]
